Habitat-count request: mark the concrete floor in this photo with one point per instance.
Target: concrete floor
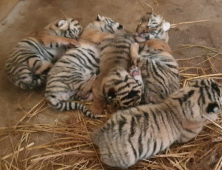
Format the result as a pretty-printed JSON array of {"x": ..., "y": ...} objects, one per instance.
[{"x": 27, "y": 17}]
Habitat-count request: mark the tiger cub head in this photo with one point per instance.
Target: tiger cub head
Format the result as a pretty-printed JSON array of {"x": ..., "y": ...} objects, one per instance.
[
  {"x": 106, "y": 24},
  {"x": 152, "y": 26},
  {"x": 154, "y": 46},
  {"x": 209, "y": 97},
  {"x": 122, "y": 90},
  {"x": 68, "y": 28}
]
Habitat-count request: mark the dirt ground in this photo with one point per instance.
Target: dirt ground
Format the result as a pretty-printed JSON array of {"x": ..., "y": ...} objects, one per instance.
[{"x": 29, "y": 16}]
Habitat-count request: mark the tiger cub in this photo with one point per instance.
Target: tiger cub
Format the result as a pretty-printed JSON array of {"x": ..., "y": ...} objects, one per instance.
[
  {"x": 152, "y": 26},
  {"x": 102, "y": 28},
  {"x": 123, "y": 89},
  {"x": 159, "y": 69},
  {"x": 73, "y": 75},
  {"x": 27, "y": 65},
  {"x": 143, "y": 131}
]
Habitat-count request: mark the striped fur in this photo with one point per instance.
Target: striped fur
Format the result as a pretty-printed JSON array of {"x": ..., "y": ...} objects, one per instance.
[
  {"x": 73, "y": 75},
  {"x": 159, "y": 70},
  {"x": 143, "y": 131},
  {"x": 123, "y": 90},
  {"x": 32, "y": 57},
  {"x": 70, "y": 78},
  {"x": 152, "y": 26}
]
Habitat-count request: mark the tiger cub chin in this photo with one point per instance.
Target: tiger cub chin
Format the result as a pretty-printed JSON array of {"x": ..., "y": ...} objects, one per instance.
[
  {"x": 152, "y": 26},
  {"x": 73, "y": 75},
  {"x": 29, "y": 61},
  {"x": 159, "y": 69},
  {"x": 114, "y": 83},
  {"x": 143, "y": 131}
]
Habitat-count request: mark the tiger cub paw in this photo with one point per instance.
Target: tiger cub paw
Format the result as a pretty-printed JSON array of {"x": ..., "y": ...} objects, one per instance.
[
  {"x": 73, "y": 43},
  {"x": 135, "y": 57},
  {"x": 135, "y": 72},
  {"x": 96, "y": 110}
]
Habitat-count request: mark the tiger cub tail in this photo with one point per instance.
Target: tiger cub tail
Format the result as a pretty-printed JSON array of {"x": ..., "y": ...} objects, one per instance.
[{"x": 70, "y": 105}]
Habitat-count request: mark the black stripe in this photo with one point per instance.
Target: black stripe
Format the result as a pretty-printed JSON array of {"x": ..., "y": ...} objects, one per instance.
[
  {"x": 121, "y": 123},
  {"x": 140, "y": 145},
  {"x": 155, "y": 120}
]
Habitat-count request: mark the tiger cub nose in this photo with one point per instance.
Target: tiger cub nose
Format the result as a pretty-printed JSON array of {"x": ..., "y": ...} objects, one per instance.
[{"x": 120, "y": 27}]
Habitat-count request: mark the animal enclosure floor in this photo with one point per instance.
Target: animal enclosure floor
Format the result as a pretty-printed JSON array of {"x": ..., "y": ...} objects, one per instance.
[{"x": 30, "y": 16}]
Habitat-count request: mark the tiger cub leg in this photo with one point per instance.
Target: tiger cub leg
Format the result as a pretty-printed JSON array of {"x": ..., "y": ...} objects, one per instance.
[
  {"x": 87, "y": 87},
  {"x": 50, "y": 39},
  {"x": 45, "y": 65},
  {"x": 135, "y": 57},
  {"x": 99, "y": 102}
]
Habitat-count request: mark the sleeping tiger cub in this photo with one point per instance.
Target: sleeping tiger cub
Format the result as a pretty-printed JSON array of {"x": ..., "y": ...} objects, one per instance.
[
  {"x": 152, "y": 26},
  {"x": 102, "y": 28},
  {"x": 143, "y": 131},
  {"x": 73, "y": 75},
  {"x": 159, "y": 69},
  {"x": 124, "y": 91},
  {"x": 27, "y": 65}
]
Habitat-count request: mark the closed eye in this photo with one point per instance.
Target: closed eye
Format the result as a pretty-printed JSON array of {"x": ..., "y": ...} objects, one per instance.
[{"x": 53, "y": 96}]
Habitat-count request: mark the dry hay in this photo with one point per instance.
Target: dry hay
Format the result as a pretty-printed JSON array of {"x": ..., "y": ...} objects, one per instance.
[{"x": 70, "y": 146}]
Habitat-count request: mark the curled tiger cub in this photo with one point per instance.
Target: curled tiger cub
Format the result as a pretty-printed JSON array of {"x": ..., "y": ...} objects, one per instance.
[
  {"x": 73, "y": 75},
  {"x": 32, "y": 57},
  {"x": 159, "y": 69},
  {"x": 152, "y": 26},
  {"x": 72, "y": 78},
  {"x": 110, "y": 84},
  {"x": 143, "y": 131}
]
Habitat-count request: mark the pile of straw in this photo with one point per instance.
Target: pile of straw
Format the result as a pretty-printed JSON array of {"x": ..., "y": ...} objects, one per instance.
[{"x": 70, "y": 146}]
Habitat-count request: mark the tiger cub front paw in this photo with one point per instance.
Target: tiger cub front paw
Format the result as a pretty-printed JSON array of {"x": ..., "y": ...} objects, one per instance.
[
  {"x": 135, "y": 72},
  {"x": 73, "y": 43},
  {"x": 135, "y": 57}
]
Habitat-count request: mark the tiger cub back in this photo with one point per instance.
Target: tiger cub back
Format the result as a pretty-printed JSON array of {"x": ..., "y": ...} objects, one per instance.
[
  {"x": 29, "y": 61},
  {"x": 159, "y": 70},
  {"x": 143, "y": 131},
  {"x": 152, "y": 26}
]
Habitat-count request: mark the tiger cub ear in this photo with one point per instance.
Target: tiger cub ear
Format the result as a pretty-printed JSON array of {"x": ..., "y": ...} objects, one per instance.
[
  {"x": 63, "y": 24},
  {"x": 212, "y": 108},
  {"x": 111, "y": 94},
  {"x": 166, "y": 26},
  {"x": 99, "y": 18}
]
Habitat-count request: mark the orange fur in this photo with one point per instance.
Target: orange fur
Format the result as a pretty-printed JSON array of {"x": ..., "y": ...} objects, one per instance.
[
  {"x": 108, "y": 63},
  {"x": 157, "y": 44},
  {"x": 95, "y": 35}
]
